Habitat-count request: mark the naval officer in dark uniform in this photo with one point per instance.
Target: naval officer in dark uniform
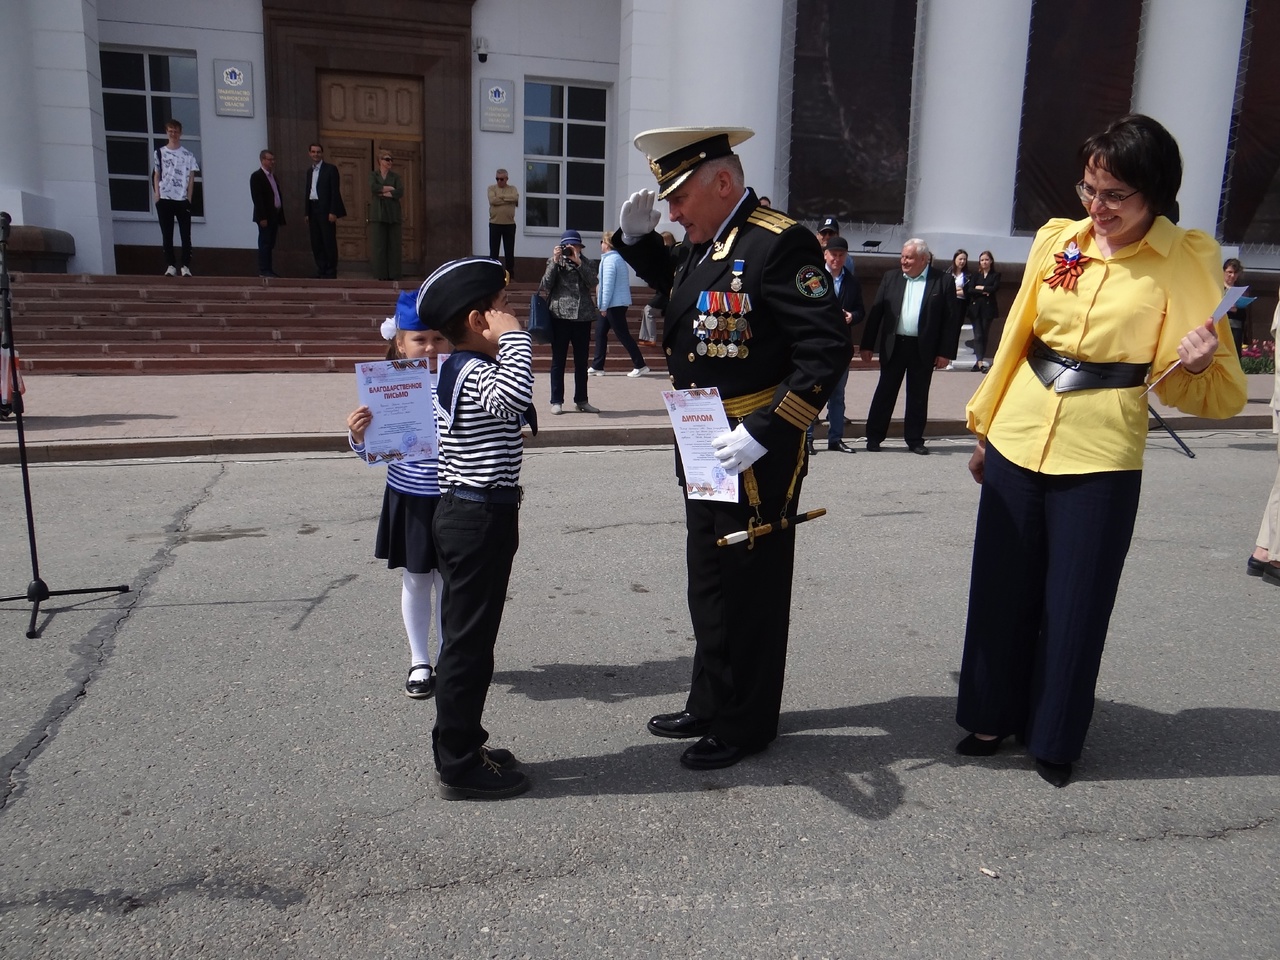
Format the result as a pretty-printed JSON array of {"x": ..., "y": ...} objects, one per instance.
[{"x": 751, "y": 312}]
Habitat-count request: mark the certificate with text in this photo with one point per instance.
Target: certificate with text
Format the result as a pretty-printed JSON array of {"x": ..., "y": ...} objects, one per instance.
[
  {"x": 400, "y": 394},
  {"x": 698, "y": 417}
]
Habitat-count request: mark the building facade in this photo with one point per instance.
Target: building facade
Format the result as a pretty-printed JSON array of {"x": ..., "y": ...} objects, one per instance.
[{"x": 953, "y": 121}]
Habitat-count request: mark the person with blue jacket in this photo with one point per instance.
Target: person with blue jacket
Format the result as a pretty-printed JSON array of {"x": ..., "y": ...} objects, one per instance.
[{"x": 614, "y": 299}]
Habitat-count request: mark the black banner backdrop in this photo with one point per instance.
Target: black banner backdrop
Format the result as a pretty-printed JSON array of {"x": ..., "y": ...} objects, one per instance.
[
  {"x": 1080, "y": 65},
  {"x": 1252, "y": 209},
  {"x": 851, "y": 110}
]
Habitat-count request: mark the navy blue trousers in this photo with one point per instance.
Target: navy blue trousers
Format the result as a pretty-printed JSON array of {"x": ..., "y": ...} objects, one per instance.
[{"x": 1047, "y": 559}]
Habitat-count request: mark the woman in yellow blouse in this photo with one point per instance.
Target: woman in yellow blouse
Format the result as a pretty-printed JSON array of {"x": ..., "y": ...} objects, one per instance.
[{"x": 1106, "y": 305}]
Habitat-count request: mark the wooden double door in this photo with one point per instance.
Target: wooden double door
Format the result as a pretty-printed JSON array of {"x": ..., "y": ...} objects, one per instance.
[{"x": 363, "y": 116}]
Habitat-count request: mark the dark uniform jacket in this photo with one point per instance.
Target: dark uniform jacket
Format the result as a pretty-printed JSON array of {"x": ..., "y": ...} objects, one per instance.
[
  {"x": 798, "y": 344},
  {"x": 939, "y": 330}
]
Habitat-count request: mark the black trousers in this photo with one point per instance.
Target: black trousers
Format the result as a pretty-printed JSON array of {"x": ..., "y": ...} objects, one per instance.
[
  {"x": 503, "y": 234},
  {"x": 566, "y": 333},
  {"x": 904, "y": 361},
  {"x": 324, "y": 242},
  {"x": 266, "y": 244},
  {"x": 475, "y": 546},
  {"x": 615, "y": 319},
  {"x": 1047, "y": 559},
  {"x": 740, "y": 605},
  {"x": 168, "y": 211}
]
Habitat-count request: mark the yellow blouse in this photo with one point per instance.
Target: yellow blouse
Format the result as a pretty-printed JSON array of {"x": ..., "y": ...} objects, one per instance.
[{"x": 1134, "y": 307}]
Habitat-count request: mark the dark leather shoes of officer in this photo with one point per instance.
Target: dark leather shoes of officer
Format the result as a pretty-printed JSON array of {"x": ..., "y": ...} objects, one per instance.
[
  {"x": 679, "y": 726},
  {"x": 840, "y": 447},
  {"x": 712, "y": 753}
]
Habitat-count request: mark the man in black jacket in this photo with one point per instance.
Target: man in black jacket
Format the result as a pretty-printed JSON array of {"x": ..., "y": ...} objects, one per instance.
[
  {"x": 324, "y": 209},
  {"x": 910, "y": 325},
  {"x": 268, "y": 209},
  {"x": 751, "y": 313}
]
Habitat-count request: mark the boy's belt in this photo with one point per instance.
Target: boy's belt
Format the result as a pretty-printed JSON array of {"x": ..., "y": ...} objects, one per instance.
[
  {"x": 486, "y": 494},
  {"x": 1066, "y": 374}
]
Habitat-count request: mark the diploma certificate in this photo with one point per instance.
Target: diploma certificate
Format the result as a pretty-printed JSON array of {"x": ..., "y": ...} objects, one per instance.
[
  {"x": 698, "y": 417},
  {"x": 400, "y": 395}
]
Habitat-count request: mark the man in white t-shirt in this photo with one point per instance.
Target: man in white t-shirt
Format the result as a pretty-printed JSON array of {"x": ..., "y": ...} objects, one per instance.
[{"x": 173, "y": 179}]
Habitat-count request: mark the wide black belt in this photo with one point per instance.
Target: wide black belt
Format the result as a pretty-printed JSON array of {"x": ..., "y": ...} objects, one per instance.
[
  {"x": 486, "y": 494},
  {"x": 1066, "y": 374}
]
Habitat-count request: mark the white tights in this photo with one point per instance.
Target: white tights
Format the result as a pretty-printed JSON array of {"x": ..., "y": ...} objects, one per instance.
[{"x": 419, "y": 613}]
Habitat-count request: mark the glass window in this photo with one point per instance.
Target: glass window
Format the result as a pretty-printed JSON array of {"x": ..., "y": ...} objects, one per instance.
[
  {"x": 586, "y": 141},
  {"x": 586, "y": 103},
  {"x": 586, "y": 179},
  {"x": 122, "y": 71},
  {"x": 542, "y": 212},
  {"x": 564, "y": 169},
  {"x": 140, "y": 91},
  {"x": 543, "y": 100},
  {"x": 543, "y": 138},
  {"x": 542, "y": 178}
]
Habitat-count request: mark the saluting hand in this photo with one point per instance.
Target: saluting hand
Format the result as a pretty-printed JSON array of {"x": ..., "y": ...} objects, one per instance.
[
  {"x": 638, "y": 216},
  {"x": 1197, "y": 348}
]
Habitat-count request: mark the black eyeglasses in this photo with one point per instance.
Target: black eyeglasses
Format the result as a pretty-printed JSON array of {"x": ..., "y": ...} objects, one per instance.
[{"x": 1109, "y": 198}]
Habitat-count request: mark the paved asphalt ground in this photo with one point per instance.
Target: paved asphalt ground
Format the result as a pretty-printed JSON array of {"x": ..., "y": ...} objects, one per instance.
[{"x": 222, "y": 763}]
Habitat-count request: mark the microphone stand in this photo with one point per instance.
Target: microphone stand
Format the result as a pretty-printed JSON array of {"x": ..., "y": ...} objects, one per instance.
[{"x": 37, "y": 590}]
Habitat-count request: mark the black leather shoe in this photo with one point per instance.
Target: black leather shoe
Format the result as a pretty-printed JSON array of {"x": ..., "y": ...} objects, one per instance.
[
  {"x": 972, "y": 746},
  {"x": 679, "y": 726},
  {"x": 1255, "y": 567},
  {"x": 920, "y": 448},
  {"x": 840, "y": 447},
  {"x": 712, "y": 753},
  {"x": 1058, "y": 774},
  {"x": 1271, "y": 575},
  {"x": 810, "y": 449},
  {"x": 873, "y": 446},
  {"x": 422, "y": 689}
]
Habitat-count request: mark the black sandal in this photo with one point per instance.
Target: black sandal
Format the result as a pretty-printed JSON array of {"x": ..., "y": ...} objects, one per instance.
[{"x": 420, "y": 689}]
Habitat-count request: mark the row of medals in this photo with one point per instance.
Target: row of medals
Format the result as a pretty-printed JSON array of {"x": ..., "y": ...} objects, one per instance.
[{"x": 711, "y": 329}]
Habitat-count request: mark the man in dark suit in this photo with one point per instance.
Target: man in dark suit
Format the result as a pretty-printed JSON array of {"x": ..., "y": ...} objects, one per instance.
[
  {"x": 324, "y": 209},
  {"x": 268, "y": 209},
  {"x": 848, "y": 293},
  {"x": 910, "y": 324},
  {"x": 750, "y": 313}
]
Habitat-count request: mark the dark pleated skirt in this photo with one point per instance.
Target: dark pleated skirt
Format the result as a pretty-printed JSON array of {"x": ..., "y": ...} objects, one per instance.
[{"x": 404, "y": 532}]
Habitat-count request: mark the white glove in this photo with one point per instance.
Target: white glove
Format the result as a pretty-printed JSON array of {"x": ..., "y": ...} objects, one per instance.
[
  {"x": 638, "y": 216},
  {"x": 737, "y": 450}
]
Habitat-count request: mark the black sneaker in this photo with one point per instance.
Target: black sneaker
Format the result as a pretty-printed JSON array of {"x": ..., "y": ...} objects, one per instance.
[
  {"x": 423, "y": 688},
  {"x": 487, "y": 781}
]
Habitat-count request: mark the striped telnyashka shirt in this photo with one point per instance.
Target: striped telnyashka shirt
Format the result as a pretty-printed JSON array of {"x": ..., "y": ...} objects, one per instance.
[
  {"x": 483, "y": 446},
  {"x": 419, "y": 478}
]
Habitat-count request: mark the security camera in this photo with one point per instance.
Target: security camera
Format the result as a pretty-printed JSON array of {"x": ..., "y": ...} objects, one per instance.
[{"x": 482, "y": 49}]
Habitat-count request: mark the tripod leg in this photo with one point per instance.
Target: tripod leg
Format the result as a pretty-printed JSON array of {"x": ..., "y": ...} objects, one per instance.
[{"x": 1169, "y": 430}]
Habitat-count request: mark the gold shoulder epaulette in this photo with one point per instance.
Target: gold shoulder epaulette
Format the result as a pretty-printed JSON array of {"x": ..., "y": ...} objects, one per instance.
[{"x": 771, "y": 220}]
